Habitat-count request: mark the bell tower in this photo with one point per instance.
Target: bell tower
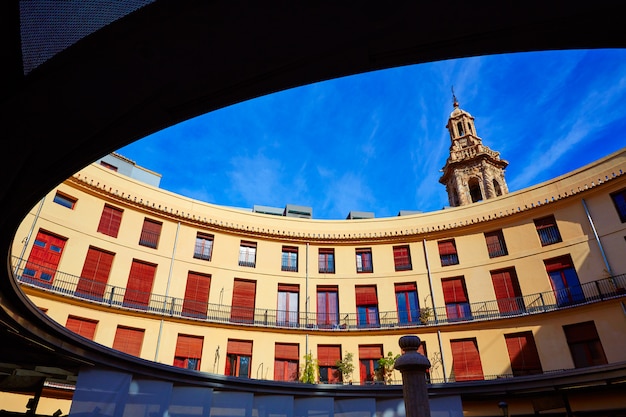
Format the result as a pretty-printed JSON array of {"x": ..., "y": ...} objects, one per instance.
[{"x": 472, "y": 172}]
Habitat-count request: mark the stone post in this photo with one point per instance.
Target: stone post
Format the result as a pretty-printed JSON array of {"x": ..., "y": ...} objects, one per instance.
[{"x": 413, "y": 365}]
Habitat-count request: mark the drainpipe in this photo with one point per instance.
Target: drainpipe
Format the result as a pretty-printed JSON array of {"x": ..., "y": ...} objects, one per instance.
[
  {"x": 595, "y": 233},
  {"x": 306, "y": 295}
]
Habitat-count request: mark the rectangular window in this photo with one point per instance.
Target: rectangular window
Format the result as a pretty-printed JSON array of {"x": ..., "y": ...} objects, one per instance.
[
  {"x": 289, "y": 261},
  {"x": 447, "y": 252},
  {"x": 244, "y": 294},
  {"x": 584, "y": 344},
  {"x": 139, "y": 287},
  {"x": 326, "y": 261},
  {"x": 287, "y": 309},
  {"x": 188, "y": 352},
  {"x": 204, "y": 246},
  {"x": 128, "y": 340},
  {"x": 196, "y": 295},
  {"x": 619, "y": 199},
  {"x": 238, "y": 358},
  {"x": 247, "y": 254},
  {"x": 286, "y": 356},
  {"x": 507, "y": 290},
  {"x": 547, "y": 230},
  {"x": 44, "y": 258},
  {"x": 455, "y": 297},
  {"x": 402, "y": 258},
  {"x": 64, "y": 200},
  {"x": 368, "y": 362},
  {"x": 466, "y": 363},
  {"x": 327, "y": 306},
  {"x": 327, "y": 357},
  {"x": 564, "y": 280},
  {"x": 366, "y": 306},
  {"x": 364, "y": 260},
  {"x": 110, "y": 220},
  {"x": 407, "y": 303},
  {"x": 95, "y": 274},
  {"x": 150, "y": 233},
  {"x": 495, "y": 244},
  {"x": 82, "y": 326},
  {"x": 523, "y": 354},
  {"x": 109, "y": 166}
]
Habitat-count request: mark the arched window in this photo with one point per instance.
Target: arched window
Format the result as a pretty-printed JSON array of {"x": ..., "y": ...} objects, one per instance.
[
  {"x": 469, "y": 127},
  {"x": 459, "y": 127},
  {"x": 496, "y": 187},
  {"x": 475, "y": 192}
]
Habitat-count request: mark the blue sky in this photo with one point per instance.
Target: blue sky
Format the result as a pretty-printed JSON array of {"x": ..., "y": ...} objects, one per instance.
[{"x": 376, "y": 142}]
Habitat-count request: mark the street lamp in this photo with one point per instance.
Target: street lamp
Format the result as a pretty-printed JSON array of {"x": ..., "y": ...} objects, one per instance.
[{"x": 504, "y": 407}]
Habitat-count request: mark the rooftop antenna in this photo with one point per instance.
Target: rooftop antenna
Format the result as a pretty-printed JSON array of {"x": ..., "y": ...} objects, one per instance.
[{"x": 455, "y": 102}]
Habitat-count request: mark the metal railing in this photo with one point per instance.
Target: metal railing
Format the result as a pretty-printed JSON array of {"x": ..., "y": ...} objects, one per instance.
[{"x": 120, "y": 297}]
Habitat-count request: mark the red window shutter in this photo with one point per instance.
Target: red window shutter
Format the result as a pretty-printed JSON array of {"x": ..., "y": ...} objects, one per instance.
[
  {"x": 128, "y": 340},
  {"x": 139, "y": 285},
  {"x": 370, "y": 352},
  {"x": 279, "y": 369},
  {"x": 95, "y": 274},
  {"x": 150, "y": 233},
  {"x": 188, "y": 346},
  {"x": 366, "y": 295},
  {"x": 244, "y": 294},
  {"x": 45, "y": 256},
  {"x": 506, "y": 288},
  {"x": 328, "y": 355},
  {"x": 288, "y": 288},
  {"x": 556, "y": 264},
  {"x": 239, "y": 347},
  {"x": 289, "y": 351},
  {"x": 447, "y": 247},
  {"x": 454, "y": 290},
  {"x": 545, "y": 222},
  {"x": 580, "y": 332},
  {"x": 110, "y": 221},
  {"x": 401, "y": 257},
  {"x": 82, "y": 326},
  {"x": 523, "y": 353},
  {"x": 196, "y": 294},
  {"x": 404, "y": 287},
  {"x": 466, "y": 360}
]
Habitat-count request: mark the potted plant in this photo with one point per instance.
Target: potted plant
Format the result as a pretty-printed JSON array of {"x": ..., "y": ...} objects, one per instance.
[
  {"x": 346, "y": 367},
  {"x": 425, "y": 314},
  {"x": 309, "y": 371},
  {"x": 384, "y": 373}
]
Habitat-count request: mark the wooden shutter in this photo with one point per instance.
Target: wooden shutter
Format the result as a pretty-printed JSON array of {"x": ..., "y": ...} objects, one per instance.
[
  {"x": 366, "y": 295},
  {"x": 139, "y": 285},
  {"x": 447, "y": 247},
  {"x": 110, "y": 221},
  {"x": 454, "y": 290},
  {"x": 523, "y": 353},
  {"x": 401, "y": 257},
  {"x": 95, "y": 274},
  {"x": 128, "y": 340},
  {"x": 45, "y": 256},
  {"x": 405, "y": 287},
  {"x": 239, "y": 347},
  {"x": 289, "y": 351},
  {"x": 244, "y": 294},
  {"x": 150, "y": 233},
  {"x": 82, "y": 326},
  {"x": 557, "y": 264},
  {"x": 288, "y": 287},
  {"x": 189, "y": 346},
  {"x": 328, "y": 355},
  {"x": 466, "y": 360},
  {"x": 196, "y": 294},
  {"x": 506, "y": 288},
  {"x": 545, "y": 222},
  {"x": 370, "y": 352}
]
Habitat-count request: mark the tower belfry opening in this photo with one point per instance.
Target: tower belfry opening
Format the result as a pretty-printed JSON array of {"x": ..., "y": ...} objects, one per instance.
[{"x": 473, "y": 172}]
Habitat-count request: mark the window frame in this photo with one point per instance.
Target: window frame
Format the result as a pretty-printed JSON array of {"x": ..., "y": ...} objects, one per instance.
[
  {"x": 498, "y": 248},
  {"x": 65, "y": 200},
  {"x": 619, "y": 201},
  {"x": 547, "y": 230},
  {"x": 447, "y": 256},
  {"x": 110, "y": 220},
  {"x": 247, "y": 254},
  {"x": 326, "y": 260},
  {"x": 204, "y": 243},
  {"x": 401, "y": 261},
  {"x": 584, "y": 344},
  {"x": 289, "y": 259},
  {"x": 364, "y": 261},
  {"x": 150, "y": 233}
]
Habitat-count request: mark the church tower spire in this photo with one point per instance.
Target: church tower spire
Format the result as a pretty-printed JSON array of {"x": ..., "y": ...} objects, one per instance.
[{"x": 472, "y": 172}]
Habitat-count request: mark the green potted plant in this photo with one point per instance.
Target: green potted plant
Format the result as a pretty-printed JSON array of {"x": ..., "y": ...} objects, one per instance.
[
  {"x": 384, "y": 373},
  {"x": 346, "y": 367},
  {"x": 425, "y": 314},
  {"x": 309, "y": 371}
]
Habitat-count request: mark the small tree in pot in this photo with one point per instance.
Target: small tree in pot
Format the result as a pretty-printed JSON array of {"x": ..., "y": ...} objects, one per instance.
[{"x": 346, "y": 367}]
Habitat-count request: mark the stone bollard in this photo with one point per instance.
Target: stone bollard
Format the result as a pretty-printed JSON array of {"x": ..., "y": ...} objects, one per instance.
[{"x": 413, "y": 365}]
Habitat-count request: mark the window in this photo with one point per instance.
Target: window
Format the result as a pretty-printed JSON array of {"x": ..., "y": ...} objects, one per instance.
[
  {"x": 109, "y": 166},
  {"x": 110, "y": 221},
  {"x": 466, "y": 364},
  {"x": 402, "y": 258},
  {"x": 188, "y": 352},
  {"x": 44, "y": 258},
  {"x": 238, "y": 358},
  {"x": 326, "y": 261},
  {"x": 196, "y": 295},
  {"x": 204, "y": 246},
  {"x": 619, "y": 199},
  {"x": 82, "y": 326},
  {"x": 547, "y": 230},
  {"x": 128, "y": 340},
  {"x": 327, "y": 357},
  {"x": 564, "y": 280},
  {"x": 150, "y": 233},
  {"x": 523, "y": 354},
  {"x": 455, "y": 297},
  {"x": 459, "y": 127},
  {"x": 95, "y": 274},
  {"x": 407, "y": 303},
  {"x": 495, "y": 244},
  {"x": 507, "y": 290},
  {"x": 447, "y": 252},
  {"x": 247, "y": 254},
  {"x": 366, "y": 306},
  {"x": 476, "y": 192},
  {"x": 368, "y": 362},
  {"x": 65, "y": 200},
  {"x": 139, "y": 287},
  {"x": 244, "y": 294},
  {"x": 364, "y": 260},
  {"x": 584, "y": 344},
  {"x": 287, "y": 309},
  {"x": 286, "y": 357},
  {"x": 327, "y": 306},
  {"x": 289, "y": 260}
]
